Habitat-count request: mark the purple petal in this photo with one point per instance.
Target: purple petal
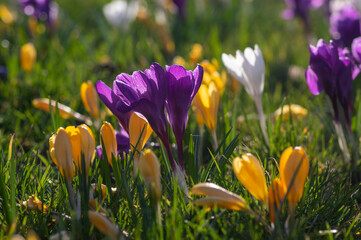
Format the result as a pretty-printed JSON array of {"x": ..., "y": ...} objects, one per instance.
[
  {"x": 313, "y": 83},
  {"x": 198, "y": 78},
  {"x": 356, "y": 49}
]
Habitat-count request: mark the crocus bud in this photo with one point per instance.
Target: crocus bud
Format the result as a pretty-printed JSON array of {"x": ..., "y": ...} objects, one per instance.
[
  {"x": 250, "y": 173},
  {"x": 75, "y": 140},
  {"x": 103, "y": 224},
  {"x": 294, "y": 166},
  {"x": 218, "y": 196},
  {"x": 52, "y": 149},
  {"x": 5, "y": 15},
  {"x": 89, "y": 97},
  {"x": 87, "y": 145},
  {"x": 207, "y": 101},
  {"x": 276, "y": 195},
  {"x": 107, "y": 135},
  {"x": 64, "y": 155},
  {"x": 27, "y": 57},
  {"x": 149, "y": 169},
  {"x": 138, "y": 137}
]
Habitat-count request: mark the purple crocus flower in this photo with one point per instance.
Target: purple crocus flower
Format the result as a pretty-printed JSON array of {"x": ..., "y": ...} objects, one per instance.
[
  {"x": 331, "y": 70},
  {"x": 111, "y": 99},
  {"x": 345, "y": 25},
  {"x": 123, "y": 145},
  {"x": 180, "y": 5},
  {"x": 144, "y": 93},
  {"x": 300, "y": 8},
  {"x": 182, "y": 87},
  {"x": 44, "y": 10}
]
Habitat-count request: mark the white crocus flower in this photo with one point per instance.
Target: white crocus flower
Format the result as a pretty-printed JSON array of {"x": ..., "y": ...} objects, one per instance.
[
  {"x": 121, "y": 13},
  {"x": 248, "y": 68}
]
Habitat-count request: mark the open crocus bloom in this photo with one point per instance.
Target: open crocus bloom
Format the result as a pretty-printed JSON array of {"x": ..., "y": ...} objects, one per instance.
[{"x": 218, "y": 196}]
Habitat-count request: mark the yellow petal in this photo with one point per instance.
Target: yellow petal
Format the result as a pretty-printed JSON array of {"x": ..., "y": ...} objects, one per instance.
[
  {"x": 107, "y": 134},
  {"x": 89, "y": 97},
  {"x": 43, "y": 104},
  {"x": 87, "y": 145},
  {"x": 294, "y": 167},
  {"x": 136, "y": 132},
  {"x": 196, "y": 53},
  {"x": 276, "y": 195},
  {"x": 75, "y": 140},
  {"x": 219, "y": 202},
  {"x": 250, "y": 173},
  {"x": 5, "y": 15},
  {"x": 221, "y": 196},
  {"x": 103, "y": 224},
  {"x": 51, "y": 148},
  {"x": 149, "y": 169},
  {"x": 64, "y": 154},
  {"x": 28, "y": 57}
]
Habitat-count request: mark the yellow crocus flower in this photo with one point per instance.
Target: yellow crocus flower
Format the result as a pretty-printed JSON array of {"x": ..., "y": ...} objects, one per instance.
[
  {"x": 64, "y": 154},
  {"x": 5, "y": 15},
  {"x": 206, "y": 103},
  {"x": 149, "y": 169},
  {"x": 87, "y": 146},
  {"x": 89, "y": 97},
  {"x": 136, "y": 132},
  {"x": 107, "y": 135},
  {"x": 103, "y": 224},
  {"x": 28, "y": 57},
  {"x": 250, "y": 173},
  {"x": 196, "y": 53},
  {"x": 297, "y": 112},
  {"x": 218, "y": 196},
  {"x": 294, "y": 167},
  {"x": 211, "y": 74},
  {"x": 276, "y": 195},
  {"x": 52, "y": 149}
]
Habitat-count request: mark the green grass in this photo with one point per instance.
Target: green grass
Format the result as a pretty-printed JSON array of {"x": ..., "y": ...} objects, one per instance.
[{"x": 72, "y": 54}]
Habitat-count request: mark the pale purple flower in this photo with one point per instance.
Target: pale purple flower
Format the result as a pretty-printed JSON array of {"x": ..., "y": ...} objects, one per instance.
[
  {"x": 44, "y": 10},
  {"x": 331, "y": 70},
  {"x": 183, "y": 85},
  {"x": 345, "y": 25}
]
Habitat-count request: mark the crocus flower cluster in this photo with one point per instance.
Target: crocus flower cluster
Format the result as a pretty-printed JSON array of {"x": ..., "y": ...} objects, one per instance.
[
  {"x": 44, "y": 10},
  {"x": 148, "y": 93},
  {"x": 331, "y": 70},
  {"x": 294, "y": 167}
]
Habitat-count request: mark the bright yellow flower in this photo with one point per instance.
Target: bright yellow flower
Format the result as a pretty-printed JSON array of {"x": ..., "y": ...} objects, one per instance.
[
  {"x": 206, "y": 103},
  {"x": 149, "y": 169},
  {"x": 5, "y": 15},
  {"x": 211, "y": 74},
  {"x": 87, "y": 146},
  {"x": 196, "y": 53},
  {"x": 52, "y": 149},
  {"x": 103, "y": 224},
  {"x": 297, "y": 112},
  {"x": 107, "y": 135},
  {"x": 218, "y": 196},
  {"x": 136, "y": 132},
  {"x": 64, "y": 154},
  {"x": 276, "y": 195},
  {"x": 250, "y": 173},
  {"x": 294, "y": 166},
  {"x": 89, "y": 97},
  {"x": 28, "y": 57}
]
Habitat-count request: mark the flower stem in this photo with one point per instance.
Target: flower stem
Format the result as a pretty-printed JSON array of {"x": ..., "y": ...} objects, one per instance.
[
  {"x": 354, "y": 147},
  {"x": 262, "y": 119},
  {"x": 342, "y": 141},
  {"x": 260, "y": 219}
]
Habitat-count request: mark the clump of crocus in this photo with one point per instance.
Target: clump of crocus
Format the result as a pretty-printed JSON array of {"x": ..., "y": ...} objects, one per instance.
[
  {"x": 249, "y": 69},
  {"x": 43, "y": 10},
  {"x": 148, "y": 93},
  {"x": 294, "y": 167},
  {"x": 28, "y": 57},
  {"x": 345, "y": 25},
  {"x": 89, "y": 97}
]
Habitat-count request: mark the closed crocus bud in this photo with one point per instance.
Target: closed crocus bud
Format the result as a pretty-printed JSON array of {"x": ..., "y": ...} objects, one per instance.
[
  {"x": 294, "y": 166},
  {"x": 64, "y": 155},
  {"x": 276, "y": 195},
  {"x": 87, "y": 145},
  {"x": 207, "y": 101},
  {"x": 107, "y": 135},
  {"x": 139, "y": 132},
  {"x": 218, "y": 196},
  {"x": 52, "y": 149},
  {"x": 89, "y": 97},
  {"x": 149, "y": 169},
  {"x": 27, "y": 57},
  {"x": 103, "y": 224},
  {"x": 5, "y": 15},
  {"x": 250, "y": 173},
  {"x": 75, "y": 140}
]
